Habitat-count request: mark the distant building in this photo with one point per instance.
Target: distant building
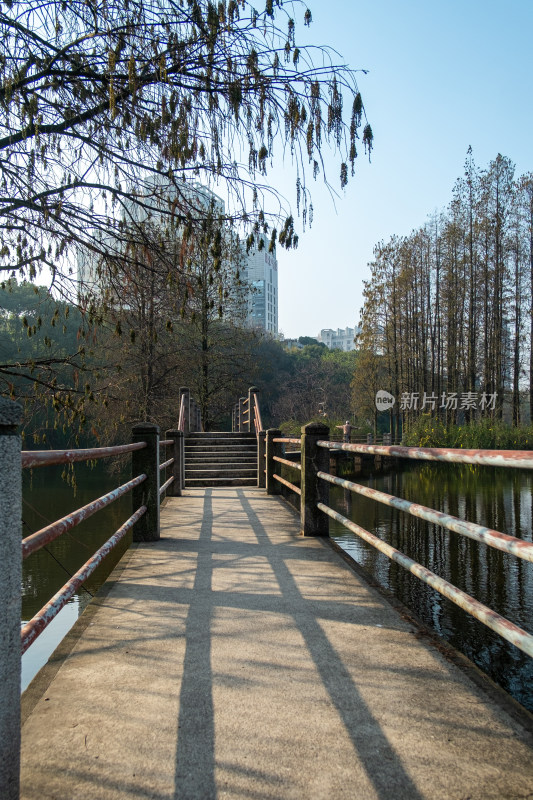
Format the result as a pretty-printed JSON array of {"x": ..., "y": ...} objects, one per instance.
[
  {"x": 254, "y": 303},
  {"x": 341, "y": 339},
  {"x": 154, "y": 209},
  {"x": 292, "y": 344},
  {"x": 261, "y": 275}
]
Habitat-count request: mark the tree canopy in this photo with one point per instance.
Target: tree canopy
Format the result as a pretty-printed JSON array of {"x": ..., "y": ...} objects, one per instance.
[
  {"x": 105, "y": 104},
  {"x": 448, "y": 313}
]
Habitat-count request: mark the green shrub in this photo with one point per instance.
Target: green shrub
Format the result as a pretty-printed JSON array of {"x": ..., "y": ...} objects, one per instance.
[{"x": 484, "y": 434}]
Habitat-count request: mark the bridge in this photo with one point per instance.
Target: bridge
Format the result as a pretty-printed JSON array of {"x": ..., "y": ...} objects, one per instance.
[{"x": 231, "y": 656}]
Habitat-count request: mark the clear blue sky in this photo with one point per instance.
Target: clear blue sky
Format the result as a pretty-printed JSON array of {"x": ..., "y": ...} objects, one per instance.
[{"x": 442, "y": 76}]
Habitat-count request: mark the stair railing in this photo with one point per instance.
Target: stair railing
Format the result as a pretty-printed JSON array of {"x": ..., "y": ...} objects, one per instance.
[
  {"x": 246, "y": 413},
  {"x": 246, "y": 417},
  {"x": 258, "y": 423}
]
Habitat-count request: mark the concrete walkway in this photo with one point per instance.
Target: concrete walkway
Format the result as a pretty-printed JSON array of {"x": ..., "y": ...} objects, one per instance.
[{"x": 234, "y": 659}]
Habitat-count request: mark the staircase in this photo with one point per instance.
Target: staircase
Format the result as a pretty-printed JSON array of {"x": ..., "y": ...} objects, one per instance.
[{"x": 220, "y": 459}]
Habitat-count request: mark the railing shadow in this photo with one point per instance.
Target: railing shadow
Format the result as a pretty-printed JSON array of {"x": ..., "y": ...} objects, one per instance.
[
  {"x": 364, "y": 730},
  {"x": 195, "y": 751}
]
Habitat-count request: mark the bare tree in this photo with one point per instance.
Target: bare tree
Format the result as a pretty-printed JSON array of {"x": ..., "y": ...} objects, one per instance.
[{"x": 99, "y": 97}]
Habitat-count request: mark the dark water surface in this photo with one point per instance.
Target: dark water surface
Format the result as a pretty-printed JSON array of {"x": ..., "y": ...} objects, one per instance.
[
  {"x": 497, "y": 498},
  {"x": 47, "y": 497}
]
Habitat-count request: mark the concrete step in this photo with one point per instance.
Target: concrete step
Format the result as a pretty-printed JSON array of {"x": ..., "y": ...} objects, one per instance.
[
  {"x": 198, "y": 436},
  {"x": 220, "y": 473},
  {"x": 220, "y": 458},
  {"x": 212, "y": 448},
  {"x": 236, "y": 465},
  {"x": 192, "y": 483},
  {"x": 248, "y": 455},
  {"x": 219, "y": 444}
]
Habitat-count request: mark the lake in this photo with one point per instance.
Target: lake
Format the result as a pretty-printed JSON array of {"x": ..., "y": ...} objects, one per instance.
[{"x": 497, "y": 498}]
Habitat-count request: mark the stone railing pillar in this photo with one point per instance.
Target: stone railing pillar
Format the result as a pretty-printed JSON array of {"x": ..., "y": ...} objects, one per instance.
[
  {"x": 272, "y": 449},
  {"x": 147, "y": 493},
  {"x": 10, "y": 597},
  {"x": 314, "y": 459},
  {"x": 176, "y": 450},
  {"x": 261, "y": 461}
]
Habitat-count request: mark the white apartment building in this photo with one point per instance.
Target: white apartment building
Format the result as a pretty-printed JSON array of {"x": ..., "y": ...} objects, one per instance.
[
  {"x": 158, "y": 196},
  {"x": 341, "y": 339},
  {"x": 261, "y": 274},
  {"x": 255, "y": 304}
]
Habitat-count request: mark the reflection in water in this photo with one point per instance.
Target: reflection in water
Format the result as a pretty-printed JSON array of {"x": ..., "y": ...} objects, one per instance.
[
  {"x": 498, "y": 498},
  {"x": 45, "y": 644},
  {"x": 46, "y": 497}
]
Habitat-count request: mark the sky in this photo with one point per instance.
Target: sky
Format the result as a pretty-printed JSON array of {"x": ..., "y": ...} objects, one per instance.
[{"x": 441, "y": 76}]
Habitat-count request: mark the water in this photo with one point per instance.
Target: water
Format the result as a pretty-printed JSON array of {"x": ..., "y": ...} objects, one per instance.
[
  {"x": 498, "y": 498},
  {"x": 47, "y": 497}
]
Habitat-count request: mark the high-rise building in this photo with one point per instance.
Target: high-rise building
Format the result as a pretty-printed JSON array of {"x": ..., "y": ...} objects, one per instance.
[
  {"x": 341, "y": 339},
  {"x": 261, "y": 274},
  {"x": 152, "y": 211},
  {"x": 253, "y": 303}
]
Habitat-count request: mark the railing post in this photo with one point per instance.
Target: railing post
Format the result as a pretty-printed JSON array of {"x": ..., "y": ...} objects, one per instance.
[
  {"x": 272, "y": 449},
  {"x": 242, "y": 424},
  {"x": 174, "y": 490},
  {"x": 147, "y": 493},
  {"x": 251, "y": 407},
  {"x": 10, "y": 597},
  {"x": 314, "y": 459},
  {"x": 186, "y": 401},
  {"x": 261, "y": 462}
]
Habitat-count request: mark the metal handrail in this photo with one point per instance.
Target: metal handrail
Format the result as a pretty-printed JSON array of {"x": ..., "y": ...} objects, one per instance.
[
  {"x": 46, "y": 535},
  {"x": 165, "y": 486},
  {"x": 519, "y": 459},
  {"x": 43, "y": 458},
  {"x": 258, "y": 421},
  {"x": 38, "y": 623},
  {"x": 293, "y": 464},
  {"x": 492, "y": 538},
  {"x": 32, "y": 543},
  {"x": 181, "y": 419},
  {"x": 508, "y": 630},
  {"x": 509, "y": 544},
  {"x": 289, "y": 485}
]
